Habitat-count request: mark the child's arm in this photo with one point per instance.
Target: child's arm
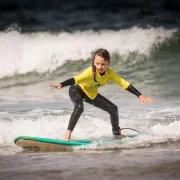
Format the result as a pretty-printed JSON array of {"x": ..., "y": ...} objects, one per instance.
[
  {"x": 142, "y": 98},
  {"x": 127, "y": 86},
  {"x": 68, "y": 82}
]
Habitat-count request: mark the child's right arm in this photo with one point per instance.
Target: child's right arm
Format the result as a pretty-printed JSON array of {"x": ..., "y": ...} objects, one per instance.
[{"x": 68, "y": 82}]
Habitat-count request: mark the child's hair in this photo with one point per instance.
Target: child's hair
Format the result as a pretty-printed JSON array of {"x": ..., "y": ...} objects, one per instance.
[{"x": 102, "y": 53}]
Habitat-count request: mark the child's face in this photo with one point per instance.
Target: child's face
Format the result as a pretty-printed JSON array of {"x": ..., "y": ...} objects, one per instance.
[{"x": 101, "y": 64}]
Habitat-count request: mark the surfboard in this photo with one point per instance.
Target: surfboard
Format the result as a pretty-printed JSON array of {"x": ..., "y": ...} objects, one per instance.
[
  {"x": 46, "y": 144},
  {"x": 30, "y": 143}
]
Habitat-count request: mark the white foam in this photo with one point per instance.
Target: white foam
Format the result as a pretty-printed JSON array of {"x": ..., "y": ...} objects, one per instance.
[
  {"x": 21, "y": 53},
  {"x": 169, "y": 130},
  {"x": 42, "y": 127},
  {"x": 50, "y": 126},
  {"x": 42, "y": 123}
]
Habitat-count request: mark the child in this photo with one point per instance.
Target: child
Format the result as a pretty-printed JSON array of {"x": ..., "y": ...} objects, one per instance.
[{"x": 84, "y": 87}]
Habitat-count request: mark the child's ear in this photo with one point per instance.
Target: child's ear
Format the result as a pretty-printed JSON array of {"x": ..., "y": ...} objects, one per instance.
[{"x": 109, "y": 63}]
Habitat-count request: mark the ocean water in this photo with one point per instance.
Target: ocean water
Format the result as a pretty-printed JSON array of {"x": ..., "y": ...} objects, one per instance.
[{"x": 144, "y": 50}]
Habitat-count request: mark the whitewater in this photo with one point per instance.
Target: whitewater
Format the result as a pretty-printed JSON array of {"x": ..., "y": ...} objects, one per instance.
[{"x": 45, "y": 52}]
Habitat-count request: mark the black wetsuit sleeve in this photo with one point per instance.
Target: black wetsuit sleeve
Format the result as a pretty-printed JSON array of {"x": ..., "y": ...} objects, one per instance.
[
  {"x": 68, "y": 82},
  {"x": 133, "y": 90}
]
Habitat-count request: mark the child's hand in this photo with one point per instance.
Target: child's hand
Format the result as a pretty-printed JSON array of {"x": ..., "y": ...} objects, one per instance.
[
  {"x": 145, "y": 99},
  {"x": 58, "y": 86}
]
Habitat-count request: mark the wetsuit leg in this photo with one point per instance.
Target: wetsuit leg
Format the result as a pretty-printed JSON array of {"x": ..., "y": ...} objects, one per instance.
[
  {"x": 76, "y": 96},
  {"x": 106, "y": 105}
]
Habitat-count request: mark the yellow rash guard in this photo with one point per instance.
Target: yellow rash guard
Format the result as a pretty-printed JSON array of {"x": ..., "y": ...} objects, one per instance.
[{"x": 86, "y": 81}]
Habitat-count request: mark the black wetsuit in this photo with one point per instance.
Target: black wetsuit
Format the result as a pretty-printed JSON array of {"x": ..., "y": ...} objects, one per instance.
[{"x": 78, "y": 97}]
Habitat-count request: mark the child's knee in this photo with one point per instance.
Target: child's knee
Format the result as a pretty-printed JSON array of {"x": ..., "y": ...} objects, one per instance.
[{"x": 79, "y": 107}]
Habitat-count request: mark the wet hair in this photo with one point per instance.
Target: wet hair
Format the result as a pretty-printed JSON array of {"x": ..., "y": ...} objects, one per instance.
[{"x": 102, "y": 53}]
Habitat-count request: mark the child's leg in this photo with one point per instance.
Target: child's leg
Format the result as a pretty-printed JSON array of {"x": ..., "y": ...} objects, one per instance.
[
  {"x": 106, "y": 105},
  {"x": 75, "y": 94}
]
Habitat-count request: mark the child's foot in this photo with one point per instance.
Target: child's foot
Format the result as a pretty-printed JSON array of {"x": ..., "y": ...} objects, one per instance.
[
  {"x": 68, "y": 135},
  {"x": 120, "y": 136}
]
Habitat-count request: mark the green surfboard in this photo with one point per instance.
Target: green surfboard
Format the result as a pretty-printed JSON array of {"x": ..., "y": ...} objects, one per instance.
[{"x": 46, "y": 144}]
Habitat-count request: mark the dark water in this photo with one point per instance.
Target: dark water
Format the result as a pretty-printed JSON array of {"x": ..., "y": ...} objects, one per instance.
[{"x": 70, "y": 15}]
